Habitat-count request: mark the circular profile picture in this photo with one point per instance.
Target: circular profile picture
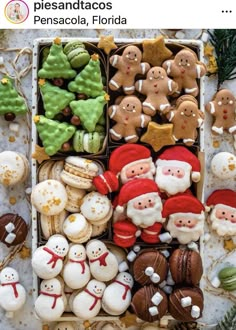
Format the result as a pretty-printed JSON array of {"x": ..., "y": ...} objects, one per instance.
[{"x": 16, "y": 11}]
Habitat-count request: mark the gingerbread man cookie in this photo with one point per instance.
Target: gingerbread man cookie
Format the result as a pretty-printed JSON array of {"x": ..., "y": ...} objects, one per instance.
[
  {"x": 185, "y": 69},
  {"x": 156, "y": 87},
  {"x": 222, "y": 108},
  {"x": 186, "y": 118},
  {"x": 128, "y": 116},
  {"x": 129, "y": 65}
]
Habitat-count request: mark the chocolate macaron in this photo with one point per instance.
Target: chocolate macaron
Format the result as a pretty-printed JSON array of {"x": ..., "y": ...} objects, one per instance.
[
  {"x": 186, "y": 304},
  {"x": 149, "y": 303},
  {"x": 186, "y": 266},
  {"x": 13, "y": 229},
  {"x": 150, "y": 267}
]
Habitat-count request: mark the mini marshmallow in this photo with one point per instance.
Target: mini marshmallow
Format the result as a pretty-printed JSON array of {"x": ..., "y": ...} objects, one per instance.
[
  {"x": 149, "y": 271},
  {"x": 186, "y": 301},
  {"x": 215, "y": 282},
  {"x": 165, "y": 253},
  {"x": 157, "y": 298},
  {"x": 131, "y": 256},
  {"x": 138, "y": 233},
  {"x": 180, "y": 35},
  {"x": 193, "y": 246},
  {"x": 207, "y": 237},
  {"x": 136, "y": 248},
  {"x": 162, "y": 284},
  {"x": 165, "y": 237},
  {"x": 205, "y": 37},
  {"x": 28, "y": 191},
  {"x": 1, "y": 61},
  {"x": 169, "y": 279},
  {"x": 10, "y": 227},
  {"x": 10, "y": 238},
  {"x": 155, "y": 278},
  {"x": 195, "y": 312},
  {"x": 14, "y": 127},
  {"x": 123, "y": 266},
  {"x": 153, "y": 310},
  {"x": 167, "y": 289}
]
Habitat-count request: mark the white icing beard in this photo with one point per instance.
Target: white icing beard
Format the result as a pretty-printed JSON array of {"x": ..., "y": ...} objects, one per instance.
[
  {"x": 170, "y": 184},
  {"x": 184, "y": 234},
  {"x": 222, "y": 227},
  {"x": 146, "y": 217}
]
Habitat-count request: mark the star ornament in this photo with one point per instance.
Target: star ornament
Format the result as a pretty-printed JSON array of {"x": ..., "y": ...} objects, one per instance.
[
  {"x": 107, "y": 44},
  {"x": 95, "y": 57},
  {"x": 25, "y": 252},
  {"x": 158, "y": 135},
  {"x": 40, "y": 154},
  {"x": 155, "y": 52},
  {"x": 41, "y": 82},
  {"x": 57, "y": 41},
  {"x": 4, "y": 81},
  {"x": 208, "y": 50}
]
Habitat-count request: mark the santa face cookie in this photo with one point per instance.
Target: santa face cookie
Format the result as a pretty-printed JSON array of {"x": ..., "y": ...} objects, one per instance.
[
  {"x": 185, "y": 218},
  {"x": 49, "y": 305},
  {"x": 12, "y": 293},
  {"x": 47, "y": 260},
  {"x": 176, "y": 168},
  {"x": 90, "y": 298},
  {"x": 103, "y": 264},
  {"x": 132, "y": 161},
  {"x": 143, "y": 202},
  {"x": 223, "y": 214},
  {"x": 117, "y": 296},
  {"x": 222, "y": 108},
  {"x": 76, "y": 273}
]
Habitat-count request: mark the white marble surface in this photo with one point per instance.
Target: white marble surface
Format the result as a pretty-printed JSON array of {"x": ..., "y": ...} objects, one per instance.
[{"x": 215, "y": 307}]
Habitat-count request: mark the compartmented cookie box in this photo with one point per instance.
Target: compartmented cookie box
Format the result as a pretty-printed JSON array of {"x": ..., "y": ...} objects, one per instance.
[{"x": 108, "y": 144}]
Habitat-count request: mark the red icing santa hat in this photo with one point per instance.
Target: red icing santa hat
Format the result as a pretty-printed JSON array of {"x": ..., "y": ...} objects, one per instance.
[
  {"x": 126, "y": 154},
  {"x": 125, "y": 233},
  {"x": 106, "y": 183},
  {"x": 133, "y": 189},
  {"x": 182, "y": 204},
  {"x": 222, "y": 196},
  {"x": 181, "y": 154}
]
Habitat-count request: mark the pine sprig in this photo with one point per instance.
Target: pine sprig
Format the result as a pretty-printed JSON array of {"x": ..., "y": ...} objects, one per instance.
[
  {"x": 229, "y": 320},
  {"x": 224, "y": 41}
]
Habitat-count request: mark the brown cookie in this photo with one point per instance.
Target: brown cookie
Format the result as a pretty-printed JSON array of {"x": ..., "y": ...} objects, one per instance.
[
  {"x": 186, "y": 118},
  {"x": 129, "y": 65},
  {"x": 144, "y": 307},
  {"x": 186, "y": 267},
  {"x": 147, "y": 264},
  {"x": 222, "y": 108},
  {"x": 185, "y": 69},
  {"x": 128, "y": 117},
  {"x": 13, "y": 229},
  {"x": 194, "y": 308}
]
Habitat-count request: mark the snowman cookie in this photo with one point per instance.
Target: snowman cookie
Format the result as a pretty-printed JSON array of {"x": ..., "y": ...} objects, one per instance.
[
  {"x": 76, "y": 271},
  {"x": 91, "y": 300},
  {"x": 103, "y": 264},
  {"x": 49, "y": 305},
  {"x": 47, "y": 260},
  {"x": 12, "y": 293},
  {"x": 117, "y": 296}
]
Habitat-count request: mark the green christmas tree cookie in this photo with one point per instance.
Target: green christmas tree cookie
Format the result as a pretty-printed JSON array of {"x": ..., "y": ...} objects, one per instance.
[
  {"x": 89, "y": 80},
  {"x": 89, "y": 111},
  {"x": 55, "y": 99},
  {"x": 53, "y": 133},
  {"x": 56, "y": 64},
  {"x": 10, "y": 101}
]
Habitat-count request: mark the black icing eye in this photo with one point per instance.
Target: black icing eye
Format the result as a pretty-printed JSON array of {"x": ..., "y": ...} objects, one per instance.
[
  {"x": 160, "y": 72},
  {"x": 169, "y": 170},
  {"x": 132, "y": 171},
  {"x": 95, "y": 287},
  {"x": 51, "y": 286},
  {"x": 129, "y": 53},
  {"x": 63, "y": 249},
  {"x": 232, "y": 216},
  {"x": 56, "y": 246},
  {"x": 185, "y": 109},
  {"x": 222, "y": 98},
  {"x": 128, "y": 105},
  {"x": 139, "y": 203},
  {"x": 99, "y": 249},
  {"x": 133, "y": 106},
  {"x": 149, "y": 200},
  {"x": 180, "y": 221},
  {"x": 5, "y": 275},
  {"x": 141, "y": 168},
  {"x": 178, "y": 171},
  {"x": 153, "y": 72},
  {"x": 181, "y": 60},
  {"x": 189, "y": 221},
  {"x": 135, "y": 55},
  {"x": 12, "y": 274},
  {"x": 227, "y": 98},
  {"x": 45, "y": 285},
  {"x": 186, "y": 61},
  {"x": 223, "y": 213}
]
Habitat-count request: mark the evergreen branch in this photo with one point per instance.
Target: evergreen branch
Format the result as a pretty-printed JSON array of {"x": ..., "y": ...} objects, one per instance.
[{"x": 229, "y": 320}]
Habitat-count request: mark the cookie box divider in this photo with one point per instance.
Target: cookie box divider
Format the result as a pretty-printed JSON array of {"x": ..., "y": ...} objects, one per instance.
[{"x": 193, "y": 44}]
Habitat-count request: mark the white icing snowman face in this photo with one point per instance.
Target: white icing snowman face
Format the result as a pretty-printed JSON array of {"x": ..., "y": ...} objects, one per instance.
[
  {"x": 9, "y": 275},
  {"x": 126, "y": 278},
  {"x": 58, "y": 244},
  {"x": 51, "y": 286},
  {"x": 96, "y": 287},
  {"x": 95, "y": 249},
  {"x": 64, "y": 326},
  {"x": 77, "y": 252}
]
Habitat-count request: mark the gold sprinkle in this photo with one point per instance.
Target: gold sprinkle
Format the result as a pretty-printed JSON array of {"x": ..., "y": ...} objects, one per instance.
[
  {"x": 216, "y": 144},
  {"x": 12, "y": 200},
  {"x": 4, "y": 81},
  {"x": 72, "y": 218},
  {"x": 12, "y": 139},
  {"x": 57, "y": 41},
  {"x": 231, "y": 167}
]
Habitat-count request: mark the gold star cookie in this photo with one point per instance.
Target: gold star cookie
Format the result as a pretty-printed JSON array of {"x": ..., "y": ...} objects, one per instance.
[
  {"x": 25, "y": 252},
  {"x": 107, "y": 44},
  {"x": 40, "y": 154},
  {"x": 155, "y": 52},
  {"x": 41, "y": 82},
  {"x": 158, "y": 136},
  {"x": 229, "y": 245},
  {"x": 57, "y": 41}
]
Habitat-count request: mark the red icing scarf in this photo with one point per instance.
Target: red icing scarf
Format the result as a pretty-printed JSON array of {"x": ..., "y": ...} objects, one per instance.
[
  {"x": 95, "y": 299},
  {"x": 81, "y": 262},
  {"x": 13, "y": 284},
  {"x": 54, "y": 258},
  {"x": 55, "y": 296},
  {"x": 102, "y": 259},
  {"x": 127, "y": 288}
]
